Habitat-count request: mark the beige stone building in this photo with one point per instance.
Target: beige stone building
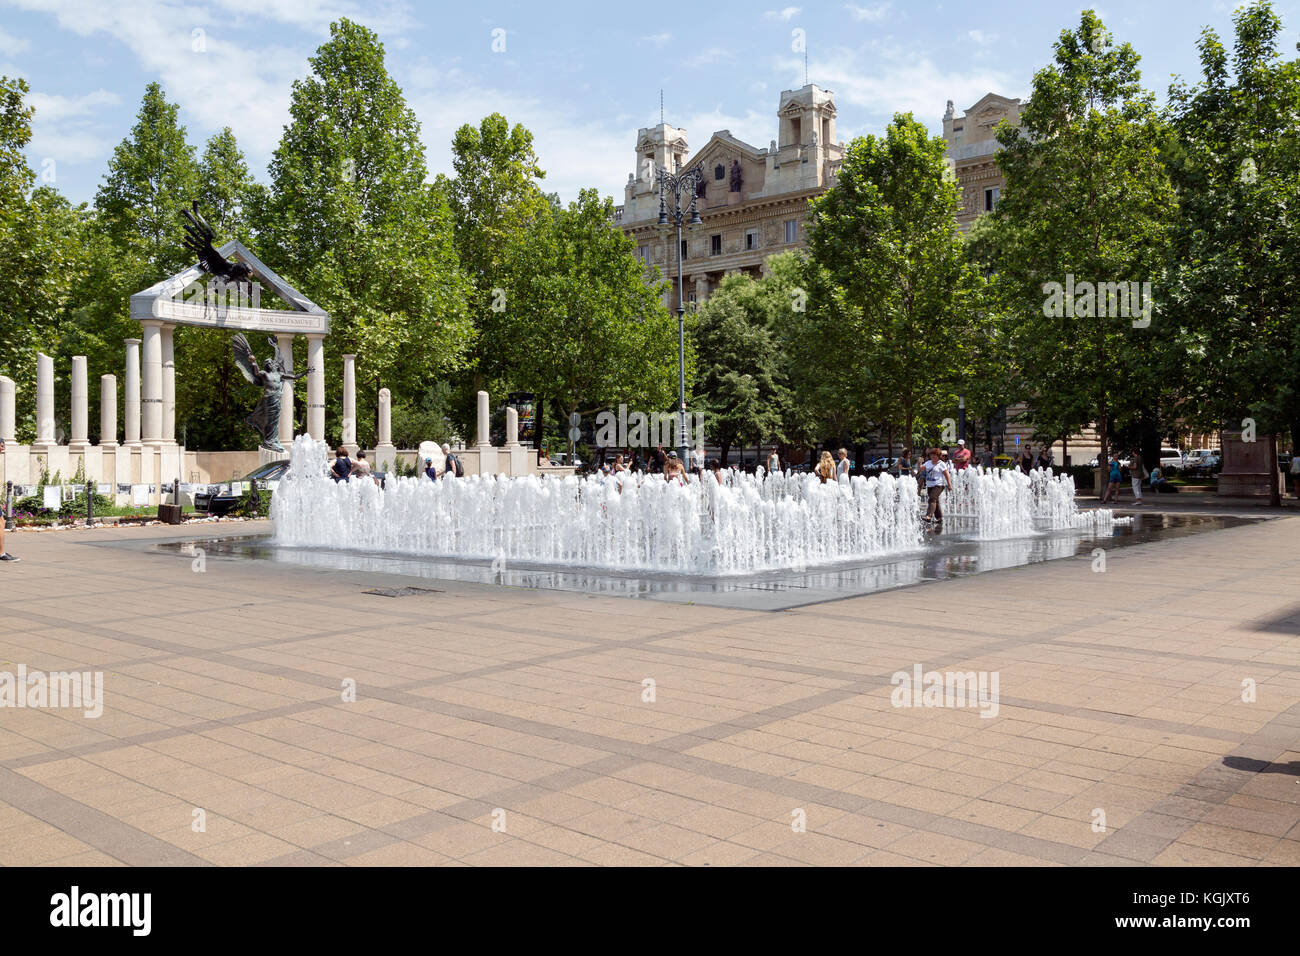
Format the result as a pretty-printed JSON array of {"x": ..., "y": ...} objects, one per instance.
[
  {"x": 971, "y": 148},
  {"x": 753, "y": 201}
]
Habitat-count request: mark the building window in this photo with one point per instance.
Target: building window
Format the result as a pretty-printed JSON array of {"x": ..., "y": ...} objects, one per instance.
[
  {"x": 683, "y": 248},
  {"x": 751, "y": 239},
  {"x": 643, "y": 253},
  {"x": 719, "y": 171},
  {"x": 715, "y": 245},
  {"x": 690, "y": 298},
  {"x": 991, "y": 197},
  {"x": 792, "y": 230}
]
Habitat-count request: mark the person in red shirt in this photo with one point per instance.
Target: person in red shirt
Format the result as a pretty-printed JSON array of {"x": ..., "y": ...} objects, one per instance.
[{"x": 961, "y": 458}]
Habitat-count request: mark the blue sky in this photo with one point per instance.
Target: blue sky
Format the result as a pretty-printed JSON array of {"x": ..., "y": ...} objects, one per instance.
[{"x": 582, "y": 77}]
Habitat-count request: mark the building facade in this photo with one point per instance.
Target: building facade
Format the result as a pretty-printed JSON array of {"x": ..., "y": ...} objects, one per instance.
[
  {"x": 753, "y": 202},
  {"x": 971, "y": 150}
]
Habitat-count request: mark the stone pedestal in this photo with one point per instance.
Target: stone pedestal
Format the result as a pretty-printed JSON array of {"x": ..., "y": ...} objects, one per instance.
[
  {"x": 285, "y": 344},
  {"x": 79, "y": 440},
  {"x": 151, "y": 401},
  {"x": 44, "y": 404},
  {"x": 168, "y": 427},
  {"x": 131, "y": 397},
  {"x": 316, "y": 387},
  {"x": 8, "y": 405},
  {"x": 1249, "y": 467},
  {"x": 107, "y": 413},
  {"x": 349, "y": 438},
  {"x": 385, "y": 452}
]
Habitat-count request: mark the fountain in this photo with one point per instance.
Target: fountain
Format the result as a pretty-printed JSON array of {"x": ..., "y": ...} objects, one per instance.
[{"x": 746, "y": 524}]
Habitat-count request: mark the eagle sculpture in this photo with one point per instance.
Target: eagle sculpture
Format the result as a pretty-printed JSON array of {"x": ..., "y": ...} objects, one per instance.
[{"x": 198, "y": 239}]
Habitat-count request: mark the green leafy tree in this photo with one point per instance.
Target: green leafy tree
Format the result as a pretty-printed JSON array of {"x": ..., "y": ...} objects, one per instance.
[
  {"x": 495, "y": 197},
  {"x": 741, "y": 374},
  {"x": 1236, "y": 247},
  {"x": 354, "y": 224},
  {"x": 907, "y": 305},
  {"x": 581, "y": 327},
  {"x": 1087, "y": 200}
]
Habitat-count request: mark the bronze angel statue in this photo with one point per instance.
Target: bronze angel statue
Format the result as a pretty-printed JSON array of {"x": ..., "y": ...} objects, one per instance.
[{"x": 265, "y": 419}]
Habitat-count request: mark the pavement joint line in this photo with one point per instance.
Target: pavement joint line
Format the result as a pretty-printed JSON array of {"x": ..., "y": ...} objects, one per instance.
[{"x": 1283, "y": 727}]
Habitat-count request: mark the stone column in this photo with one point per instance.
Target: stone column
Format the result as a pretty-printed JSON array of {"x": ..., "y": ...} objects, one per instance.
[
  {"x": 512, "y": 427},
  {"x": 108, "y": 411},
  {"x": 44, "y": 403},
  {"x": 151, "y": 401},
  {"x": 168, "y": 386},
  {"x": 349, "y": 440},
  {"x": 284, "y": 341},
  {"x": 80, "y": 439},
  {"x": 385, "y": 453},
  {"x": 316, "y": 387},
  {"x": 484, "y": 434},
  {"x": 131, "y": 400},
  {"x": 8, "y": 406}
]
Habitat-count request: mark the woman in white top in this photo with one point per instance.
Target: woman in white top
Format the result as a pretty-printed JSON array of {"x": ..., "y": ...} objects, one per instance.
[{"x": 773, "y": 463}]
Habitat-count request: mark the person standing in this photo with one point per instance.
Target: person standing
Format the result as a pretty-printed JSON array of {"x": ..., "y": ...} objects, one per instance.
[
  {"x": 1044, "y": 459},
  {"x": 342, "y": 466},
  {"x": 451, "y": 467},
  {"x": 843, "y": 465},
  {"x": 1137, "y": 473},
  {"x": 937, "y": 480},
  {"x": 825, "y": 467},
  {"x": 429, "y": 471},
  {"x": 674, "y": 469},
  {"x": 1112, "y": 480},
  {"x": 961, "y": 458},
  {"x": 658, "y": 460},
  {"x": 1026, "y": 461},
  {"x": 773, "y": 463}
]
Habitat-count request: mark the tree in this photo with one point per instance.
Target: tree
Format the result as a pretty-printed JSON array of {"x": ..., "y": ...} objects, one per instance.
[
  {"x": 1083, "y": 218},
  {"x": 906, "y": 305},
  {"x": 353, "y": 223},
  {"x": 495, "y": 197},
  {"x": 581, "y": 327},
  {"x": 1236, "y": 249},
  {"x": 741, "y": 367}
]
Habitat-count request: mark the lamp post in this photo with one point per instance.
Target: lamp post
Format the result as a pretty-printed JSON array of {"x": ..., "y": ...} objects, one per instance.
[{"x": 675, "y": 184}]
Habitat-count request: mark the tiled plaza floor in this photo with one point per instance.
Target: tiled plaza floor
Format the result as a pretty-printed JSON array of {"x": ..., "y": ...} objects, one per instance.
[{"x": 506, "y": 726}]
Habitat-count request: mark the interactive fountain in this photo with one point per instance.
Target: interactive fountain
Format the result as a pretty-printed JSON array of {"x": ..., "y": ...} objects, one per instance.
[{"x": 746, "y": 524}]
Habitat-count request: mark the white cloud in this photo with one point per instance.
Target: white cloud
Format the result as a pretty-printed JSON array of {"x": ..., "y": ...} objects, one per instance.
[
  {"x": 51, "y": 108},
  {"x": 982, "y": 38},
  {"x": 871, "y": 14},
  {"x": 11, "y": 45},
  {"x": 786, "y": 13},
  {"x": 887, "y": 81},
  {"x": 656, "y": 39},
  {"x": 709, "y": 56}
]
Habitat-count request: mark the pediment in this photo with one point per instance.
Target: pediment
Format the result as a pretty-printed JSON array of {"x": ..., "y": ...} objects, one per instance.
[{"x": 165, "y": 300}]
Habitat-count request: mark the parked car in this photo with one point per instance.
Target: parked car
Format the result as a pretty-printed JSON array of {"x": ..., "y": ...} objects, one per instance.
[
  {"x": 1170, "y": 458},
  {"x": 216, "y": 503},
  {"x": 1003, "y": 461},
  {"x": 883, "y": 464},
  {"x": 1202, "y": 461}
]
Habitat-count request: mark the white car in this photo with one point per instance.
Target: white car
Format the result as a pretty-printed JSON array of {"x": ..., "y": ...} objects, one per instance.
[{"x": 1171, "y": 458}]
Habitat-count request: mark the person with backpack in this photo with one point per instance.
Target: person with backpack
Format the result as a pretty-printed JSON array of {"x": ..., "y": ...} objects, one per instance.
[
  {"x": 342, "y": 466},
  {"x": 452, "y": 468}
]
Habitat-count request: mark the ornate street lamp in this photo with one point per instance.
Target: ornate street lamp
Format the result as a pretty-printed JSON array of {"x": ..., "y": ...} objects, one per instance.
[{"x": 686, "y": 182}]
